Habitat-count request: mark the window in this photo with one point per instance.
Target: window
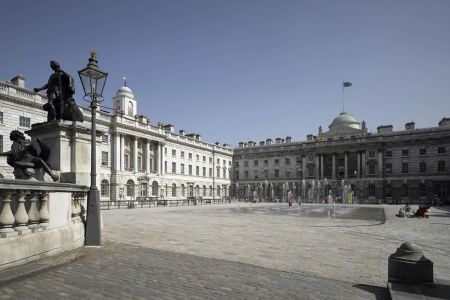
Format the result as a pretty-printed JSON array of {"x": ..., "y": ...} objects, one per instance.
[
  {"x": 245, "y": 174},
  {"x": 126, "y": 161},
  {"x": 105, "y": 138},
  {"x": 388, "y": 168},
  {"x": 204, "y": 160},
  {"x": 130, "y": 188},
  {"x": 237, "y": 174},
  {"x": 246, "y": 163},
  {"x": 1, "y": 143},
  {"x": 310, "y": 157},
  {"x": 165, "y": 166},
  {"x": 441, "y": 166},
  {"x": 310, "y": 171},
  {"x": 190, "y": 155},
  {"x": 190, "y": 169},
  {"x": 288, "y": 174},
  {"x": 276, "y": 161},
  {"x": 388, "y": 153},
  {"x": 218, "y": 173},
  {"x": 266, "y": 162},
  {"x": 266, "y": 173},
  {"x": 143, "y": 189},
  {"x": 174, "y": 190},
  {"x": 182, "y": 168},
  {"x": 224, "y": 175},
  {"x": 165, "y": 150},
  {"x": 1, "y": 117},
  {"x": 422, "y": 167},
  {"x": 183, "y": 190},
  {"x": 24, "y": 122},
  {"x": 204, "y": 191},
  {"x": 371, "y": 190},
  {"x": 197, "y": 170},
  {"x": 204, "y": 171},
  {"x": 405, "y": 190},
  {"x": 139, "y": 162},
  {"x": 371, "y": 153},
  {"x": 372, "y": 166},
  {"x": 255, "y": 174},
  {"x": 441, "y": 150},
  {"x": 174, "y": 167},
  {"x": 277, "y": 173},
  {"x": 287, "y": 160},
  {"x": 405, "y": 167},
  {"x": 229, "y": 163},
  {"x": 197, "y": 157},
  {"x": 388, "y": 190},
  {"x": 299, "y": 173},
  {"x": 104, "y": 158},
  {"x": 210, "y": 172},
  {"x": 210, "y": 191},
  {"x": 104, "y": 188},
  {"x": 182, "y": 154},
  {"x": 236, "y": 164},
  {"x": 224, "y": 162},
  {"x": 174, "y": 152},
  {"x": 422, "y": 190},
  {"x": 423, "y": 151},
  {"x": 405, "y": 152},
  {"x": 255, "y": 163},
  {"x": 210, "y": 160},
  {"x": 218, "y": 161}
]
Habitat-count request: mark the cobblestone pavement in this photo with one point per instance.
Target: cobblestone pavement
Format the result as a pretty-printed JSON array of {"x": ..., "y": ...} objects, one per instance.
[{"x": 231, "y": 252}]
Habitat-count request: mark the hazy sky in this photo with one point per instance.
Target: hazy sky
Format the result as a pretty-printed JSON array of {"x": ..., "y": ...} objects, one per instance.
[{"x": 245, "y": 70}]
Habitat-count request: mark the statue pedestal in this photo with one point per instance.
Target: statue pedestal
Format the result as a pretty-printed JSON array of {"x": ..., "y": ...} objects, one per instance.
[{"x": 70, "y": 149}]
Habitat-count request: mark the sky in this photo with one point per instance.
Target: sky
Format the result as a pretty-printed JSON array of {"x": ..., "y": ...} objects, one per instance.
[{"x": 241, "y": 70}]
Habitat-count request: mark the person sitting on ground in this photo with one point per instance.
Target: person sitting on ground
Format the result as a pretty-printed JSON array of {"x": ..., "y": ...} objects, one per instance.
[
  {"x": 422, "y": 212},
  {"x": 401, "y": 212}
]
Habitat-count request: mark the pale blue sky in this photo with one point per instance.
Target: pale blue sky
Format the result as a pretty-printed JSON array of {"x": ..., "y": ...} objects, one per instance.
[{"x": 246, "y": 70}]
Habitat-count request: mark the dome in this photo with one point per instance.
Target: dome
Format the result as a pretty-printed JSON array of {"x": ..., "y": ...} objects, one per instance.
[
  {"x": 344, "y": 119},
  {"x": 124, "y": 89}
]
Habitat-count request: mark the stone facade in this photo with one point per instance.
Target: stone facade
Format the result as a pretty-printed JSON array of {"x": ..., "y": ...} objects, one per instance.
[
  {"x": 387, "y": 166},
  {"x": 134, "y": 158}
]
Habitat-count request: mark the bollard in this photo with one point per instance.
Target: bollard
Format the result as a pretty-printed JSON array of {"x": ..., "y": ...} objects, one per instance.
[{"x": 409, "y": 265}]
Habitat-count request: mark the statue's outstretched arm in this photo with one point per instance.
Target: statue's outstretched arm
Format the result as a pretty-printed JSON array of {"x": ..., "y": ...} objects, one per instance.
[{"x": 44, "y": 87}]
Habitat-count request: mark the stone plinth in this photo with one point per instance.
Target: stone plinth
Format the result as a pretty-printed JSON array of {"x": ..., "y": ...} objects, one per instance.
[
  {"x": 409, "y": 265},
  {"x": 70, "y": 146}
]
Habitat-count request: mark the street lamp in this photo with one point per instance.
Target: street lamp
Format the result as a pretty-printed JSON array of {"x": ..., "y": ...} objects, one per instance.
[{"x": 93, "y": 80}]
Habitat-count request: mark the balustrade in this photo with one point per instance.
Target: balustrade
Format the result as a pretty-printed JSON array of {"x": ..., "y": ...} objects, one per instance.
[{"x": 24, "y": 211}]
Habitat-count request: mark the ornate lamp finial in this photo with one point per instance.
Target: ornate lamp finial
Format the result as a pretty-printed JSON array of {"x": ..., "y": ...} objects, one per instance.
[
  {"x": 93, "y": 55},
  {"x": 124, "y": 81}
]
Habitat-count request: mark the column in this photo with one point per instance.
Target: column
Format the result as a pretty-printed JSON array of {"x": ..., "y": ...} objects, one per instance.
[
  {"x": 380, "y": 163},
  {"x": 135, "y": 152},
  {"x": 363, "y": 164},
  {"x": 147, "y": 156},
  {"x": 156, "y": 159},
  {"x": 304, "y": 171},
  {"x": 316, "y": 169},
  {"x": 161, "y": 155},
  {"x": 321, "y": 167},
  {"x": 116, "y": 152},
  {"x": 346, "y": 165},
  {"x": 358, "y": 162},
  {"x": 333, "y": 167},
  {"x": 121, "y": 152}
]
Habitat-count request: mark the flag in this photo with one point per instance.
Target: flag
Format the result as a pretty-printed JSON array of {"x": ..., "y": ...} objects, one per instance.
[{"x": 347, "y": 84}]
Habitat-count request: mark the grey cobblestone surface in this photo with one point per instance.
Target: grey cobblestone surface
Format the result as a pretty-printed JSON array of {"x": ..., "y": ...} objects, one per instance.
[{"x": 220, "y": 252}]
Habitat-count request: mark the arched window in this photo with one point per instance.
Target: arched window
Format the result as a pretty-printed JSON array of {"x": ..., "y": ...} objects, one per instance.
[
  {"x": 210, "y": 191},
  {"x": 204, "y": 191},
  {"x": 183, "y": 190},
  {"x": 197, "y": 191},
  {"x": 174, "y": 190},
  {"x": 224, "y": 190},
  {"x": 167, "y": 192},
  {"x": 104, "y": 188},
  {"x": 154, "y": 188},
  {"x": 130, "y": 188},
  {"x": 143, "y": 189},
  {"x": 130, "y": 109},
  {"x": 218, "y": 191}
]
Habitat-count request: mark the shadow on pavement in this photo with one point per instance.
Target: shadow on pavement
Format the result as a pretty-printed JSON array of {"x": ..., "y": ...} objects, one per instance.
[{"x": 381, "y": 293}]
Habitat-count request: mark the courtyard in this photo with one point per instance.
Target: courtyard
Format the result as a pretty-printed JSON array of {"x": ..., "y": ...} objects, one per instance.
[{"x": 242, "y": 251}]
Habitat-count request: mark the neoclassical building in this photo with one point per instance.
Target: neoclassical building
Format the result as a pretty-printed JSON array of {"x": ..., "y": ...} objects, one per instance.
[
  {"x": 135, "y": 158},
  {"x": 407, "y": 165}
]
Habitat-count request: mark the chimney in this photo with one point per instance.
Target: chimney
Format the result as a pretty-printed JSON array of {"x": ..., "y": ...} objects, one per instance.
[
  {"x": 169, "y": 127},
  {"x": 309, "y": 137},
  {"x": 278, "y": 141},
  {"x": 241, "y": 144},
  {"x": 445, "y": 122},
  {"x": 182, "y": 132},
  {"x": 261, "y": 143},
  {"x": 410, "y": 126},
  {"x": 288, "y": 139},
  {"x": 191, "y": 135},
  {"x": 268, "y": 141},
  {"x": 217, "y": 144},
  {"x": 384, "y": 128},
  {"x": 198, "y": 137},
  {"x": 19, "y": 81}
]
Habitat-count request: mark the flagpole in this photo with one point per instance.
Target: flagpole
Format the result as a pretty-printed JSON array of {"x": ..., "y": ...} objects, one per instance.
[{"x": 343, "y": 97}]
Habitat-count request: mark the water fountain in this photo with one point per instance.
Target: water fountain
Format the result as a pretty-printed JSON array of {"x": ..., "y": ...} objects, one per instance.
[
  {"x": 318, "y": 191},
  {"x": 248, "y": 192},
  {"x": 312, "y": 189},
  {"x": 272, "y": 193},
  {"x": 304, "y": 189}
]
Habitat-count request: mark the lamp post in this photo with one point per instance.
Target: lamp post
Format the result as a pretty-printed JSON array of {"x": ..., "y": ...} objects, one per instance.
[{"x": 93, "y": 80}]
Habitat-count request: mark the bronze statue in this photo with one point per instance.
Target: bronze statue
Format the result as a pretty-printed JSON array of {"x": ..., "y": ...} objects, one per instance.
[
  {"x": 60, "y": 90},
  {"x": 26, "y": 155}
]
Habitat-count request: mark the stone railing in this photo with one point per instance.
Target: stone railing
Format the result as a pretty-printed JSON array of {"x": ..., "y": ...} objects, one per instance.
[{"x": 24, "y": 207}]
